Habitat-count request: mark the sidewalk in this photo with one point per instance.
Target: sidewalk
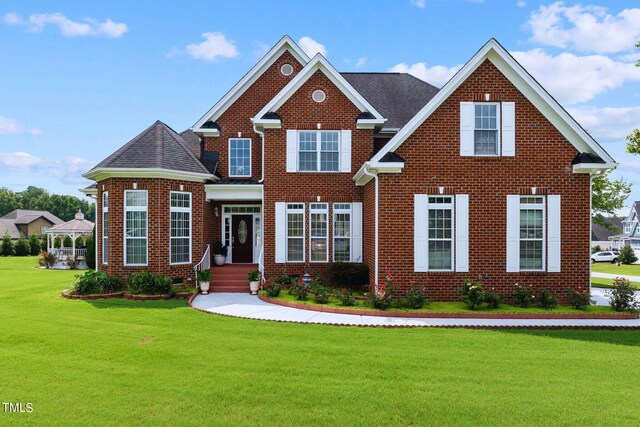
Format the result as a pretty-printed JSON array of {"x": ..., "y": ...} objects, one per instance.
[
  {"x": 250, "y": 307},
  {"x": 613, "y": 276}
]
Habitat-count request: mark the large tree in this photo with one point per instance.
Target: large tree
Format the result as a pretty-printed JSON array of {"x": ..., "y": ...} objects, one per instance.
[
  {"x": 62, "y": 206},
  {"x": 608, "y": 197},
  {"x": 633, "y": 139}
]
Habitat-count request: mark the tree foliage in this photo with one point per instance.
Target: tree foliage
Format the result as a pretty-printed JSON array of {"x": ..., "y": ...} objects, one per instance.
[
  {"x": 63, "y": 206},
  {"x": 633, "y": 139},
  {"x": 607, "y": 197},
  {"x": 34, "y": 244},
  {"x": 6, "y": 247},
  {"x": 90, "y": 257}
]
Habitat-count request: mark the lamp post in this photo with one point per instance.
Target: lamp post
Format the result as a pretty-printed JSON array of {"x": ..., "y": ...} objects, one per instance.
[{"x": 306, "y": 279}]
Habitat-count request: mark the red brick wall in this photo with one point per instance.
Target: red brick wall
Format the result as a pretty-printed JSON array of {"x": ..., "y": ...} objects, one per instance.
[
  {"x": 301, "y": 112},
  {"x": 543, "y": 160},
  {"x": 237, "y": 117},
  {"x": 158, "y": 225}
]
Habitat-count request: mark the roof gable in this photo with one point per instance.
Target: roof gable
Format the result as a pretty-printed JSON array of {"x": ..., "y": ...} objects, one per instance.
[
  {"x": 317, "y": 63},
  {"x": 27, "y": 216},
  {"x": 527, "y": 85},
  {"x": 285, "y": 44}
]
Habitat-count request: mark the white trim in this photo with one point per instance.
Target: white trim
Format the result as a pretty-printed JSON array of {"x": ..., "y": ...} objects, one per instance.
[
  {"x": 498, "y": 129},
  {"x": 318, "y": 150},
  {"x": 554, "y": 234},
  {"x": 230, "y": 215},
  {"x": 508, "y": 129},
  {"x": 90, "y": 192},
  {"x": 229, "y": 157},
  {"x": 103, "y": 173},
  {"x": 188, "y": 210},
  {"x": 321, "y": 211},
  {"x": 461, "y": 233},
  {"x": 105, "y": 257},
  {"x": 369, "y": 170},
  {"x": 520, "y": 78},
  {"x": 124, "y": 228},
  {"x": 592, "y": 167},
  {"x": 444, "y": 206},
  {"x": 285, "y": 44},
  {"x": 534, "y": 206},
  {"x": 295, "y": 211},
  {"x": 231, "y": 192},
  {"x": 333, "y": 229},
  {"x": 319, "y": 63}
]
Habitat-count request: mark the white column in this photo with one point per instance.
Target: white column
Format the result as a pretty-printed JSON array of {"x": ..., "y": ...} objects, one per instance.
[{"x": 73, "y": 245}]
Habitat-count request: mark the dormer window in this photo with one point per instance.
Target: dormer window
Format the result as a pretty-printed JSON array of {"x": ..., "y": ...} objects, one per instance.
[{"x": 627, "y": 228}]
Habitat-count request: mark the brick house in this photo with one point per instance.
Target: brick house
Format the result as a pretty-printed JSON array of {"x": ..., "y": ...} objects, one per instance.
[{"x": 299, "y": 166}]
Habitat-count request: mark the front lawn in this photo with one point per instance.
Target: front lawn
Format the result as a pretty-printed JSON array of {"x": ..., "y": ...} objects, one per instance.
[
  {"x": 122, "y": 362},
  {"x": 601, "y": 282},
  {"x": 624, "y": 269}
]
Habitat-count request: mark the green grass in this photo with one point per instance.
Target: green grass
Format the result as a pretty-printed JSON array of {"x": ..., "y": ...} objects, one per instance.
[
  {"x": 607, "y": 267},
  {"x": 121, "y": 362},
  {"x": 601, "y": 282},
  {"x": 453, "y": 307}
]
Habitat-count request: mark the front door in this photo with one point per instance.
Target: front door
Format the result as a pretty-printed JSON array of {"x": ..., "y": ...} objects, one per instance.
[{"x": 242, "y": 235}]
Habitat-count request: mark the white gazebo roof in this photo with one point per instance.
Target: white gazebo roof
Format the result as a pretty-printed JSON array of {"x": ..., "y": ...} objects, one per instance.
[{"x": 78, "y": 225}]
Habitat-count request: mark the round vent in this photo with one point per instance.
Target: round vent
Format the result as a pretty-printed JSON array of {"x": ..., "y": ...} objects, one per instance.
[
  {"x": 286, "y": 69},
  {"x": 318, "y": 95}
]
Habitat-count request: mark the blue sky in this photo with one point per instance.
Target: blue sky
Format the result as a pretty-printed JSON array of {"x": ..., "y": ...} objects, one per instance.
[{"x": 79, "y": 79}]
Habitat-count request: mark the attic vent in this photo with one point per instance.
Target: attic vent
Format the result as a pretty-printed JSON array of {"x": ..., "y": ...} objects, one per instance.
[
  {"x": 318, "y": 95},
  {"x": 286, "y": 69}
]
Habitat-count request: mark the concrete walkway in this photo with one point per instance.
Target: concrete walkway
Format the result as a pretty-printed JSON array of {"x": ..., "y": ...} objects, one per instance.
[
  {"x": 250, "y": 307},
  {"x": 613, "y": 276}
]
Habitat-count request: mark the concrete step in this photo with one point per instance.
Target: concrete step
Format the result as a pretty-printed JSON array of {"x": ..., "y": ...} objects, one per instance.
[
  {"x": 229, "y": 282},
  {"x": 234, "y": 289}
]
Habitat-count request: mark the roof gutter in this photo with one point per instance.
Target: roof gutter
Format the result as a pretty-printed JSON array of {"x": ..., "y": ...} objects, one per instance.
[
  {"x": 261, "y": 133},
  {"x": 365, "y": 170}
]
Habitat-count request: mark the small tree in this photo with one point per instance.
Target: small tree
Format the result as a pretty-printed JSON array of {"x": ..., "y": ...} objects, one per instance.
[
  {"x": 90, "y": 257},
  {"x": 6, "y": 247},
  {"x": 595, "y": 249},
  {"x": 68, "y": 242},
  {"x": 34, "y": 245},
  {"x": 627, "y": 255},
  {"x": 57, "y": 242},
  {"x": 79, "y": 242},
  {"x": 43, "y": 244},
  {"x": 21, "y": 248}
]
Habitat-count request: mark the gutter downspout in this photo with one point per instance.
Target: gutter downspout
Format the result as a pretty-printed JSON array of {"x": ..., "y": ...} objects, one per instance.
[
  {"x": 375, "y": 177},
  {"x": 591, "y": 175},
  {"x": 261, "y": 256}
]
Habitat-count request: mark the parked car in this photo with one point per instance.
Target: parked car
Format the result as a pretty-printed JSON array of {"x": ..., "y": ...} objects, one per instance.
[{"x": 604, "y": 257}]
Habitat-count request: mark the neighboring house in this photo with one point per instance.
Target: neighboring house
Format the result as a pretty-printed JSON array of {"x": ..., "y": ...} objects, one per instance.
[
  {"x": 630, "y": 235},
  {"x": 27, "y": 222},
  {"x": 600, "y": 235},
  {"x": 299, "y": 166}
]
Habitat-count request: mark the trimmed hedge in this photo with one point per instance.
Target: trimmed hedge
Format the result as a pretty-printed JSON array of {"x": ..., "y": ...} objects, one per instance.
[
  {"x": 348, "y": 274},
  {"x": 146, "y": 283}
]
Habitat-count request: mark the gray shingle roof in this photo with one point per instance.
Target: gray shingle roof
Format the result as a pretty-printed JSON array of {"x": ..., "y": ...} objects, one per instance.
[
  {"x": 192, "y": 140},
  {"x": 158, "y": 146},
  {"x": 397, "y": 96},
  {"x": 26, "y": 216}
]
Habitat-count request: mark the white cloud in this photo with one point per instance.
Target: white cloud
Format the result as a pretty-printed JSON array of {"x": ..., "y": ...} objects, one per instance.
[
  {"x": 521, "y": 3},
  {"x": 214, "y": 46},
  {"x": 585, "y": 28},
  {"x": 360, "y": 62},
  {"x": 419, "y": 3},
  {"x": 9, "y": 126},
  {"x": 88, "y": 27},
  {"x": 311, "y": 47},
  {"x": 574, "y": 79},
  {"x": 608, "y": 123},
  {"x": 437, "y": 75},
  {"x": 68, "y": 169}
]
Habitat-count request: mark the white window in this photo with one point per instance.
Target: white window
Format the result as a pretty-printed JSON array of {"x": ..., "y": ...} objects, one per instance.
[
  {"x": 627, "y": 228},
  {"x": 295, "y": 232},
  {"x": 440, "y": 233},
  {"x": 318, "y": 232},
  {"x": 135, "y": 228},
  {"x": 239, "y": 157},
  {"x": 180, "y": 225},
  {"x": 342, "y": 232},
  {"x": 105, "y": 227},
  {"x": 486, "y": 132},
  {"x": 532, "y": 232},
  {"x": 318, "y": 151},
  {"x": 43, "y": 230}
]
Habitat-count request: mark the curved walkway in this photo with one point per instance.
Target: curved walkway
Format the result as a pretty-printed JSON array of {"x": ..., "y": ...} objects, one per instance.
[
  {"x": 613, "y": 276},
  {"x": 250, "y": 307}
]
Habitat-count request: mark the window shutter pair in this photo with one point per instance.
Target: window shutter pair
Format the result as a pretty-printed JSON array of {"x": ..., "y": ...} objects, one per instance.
[
  {"x": 507, "y": 128},
  {"x": 460, "y": 230},
  {"x": 281, "y": 232},
  {"x": 553, "y": 234},
  {"x": 292, "y": 150}
]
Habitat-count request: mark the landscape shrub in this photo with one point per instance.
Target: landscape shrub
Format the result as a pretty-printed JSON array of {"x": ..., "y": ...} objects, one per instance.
[
  {"x": 146, "y": 283},
  {"x": 595, "y": 249},
  {"x": 46, "y": 259},
  {"x": 80, "y": 242},
  {"x": 110, "y": 285},
  {"x": 21, "y": 247},
  {"x": 271, "y": 288},
  {"x": 321, "y": 295},
  {"x": 472, "y": 294},
  {"x": 351, "y": 275},
  {"x": 414, "y": 298},
  {"x": 523, "y": 295},
  {"x": 492, "y": 299},
  {"x": 72, "y": 263},
  {"x": 579, "y": 298},
  {"x": 627, "y": 255},
  {"x": 43, "y": 243},
  {"x": 547, "y": 299},
  {"x": 57, "y": 242},
  {"x": 34, "y": 245},
  {"x": 93, "y": 282},
  {"x": 284, "y": 280},
  {"x": 162, "y": 285},
  {"x": 299, "y": 290},
  {"x": 90, "y": 257},
  {"x": 622, "y": 295},
  {"x": 6, "y": 247},
  {"x": 346, "y": 298},
  {"x": 381, "y": 294}
]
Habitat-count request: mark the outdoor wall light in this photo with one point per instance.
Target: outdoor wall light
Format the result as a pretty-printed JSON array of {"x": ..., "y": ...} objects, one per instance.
[{"x": 215, "y": 211}]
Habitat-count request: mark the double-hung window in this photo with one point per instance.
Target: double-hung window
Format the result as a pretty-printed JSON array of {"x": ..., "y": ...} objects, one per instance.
[
  {"x": 486, "y": 134},
  {"x": 105, "y": 227},
  {"x": 318, "y": 232},
  {"x": 532, "y": 232},
  {"x": 342, "y": 232},
  {"x": 318, "y": 151},
  {"x": 180, "y": 225},
  {"x": 239, "y": 157},
  {"x": 440, "y": 233},
  {"x": 135, "y": 227},
  {"x": 295, "y": 232}
]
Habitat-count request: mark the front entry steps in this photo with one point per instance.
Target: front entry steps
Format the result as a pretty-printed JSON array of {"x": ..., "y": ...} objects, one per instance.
[{"x": 231, "y": 278}]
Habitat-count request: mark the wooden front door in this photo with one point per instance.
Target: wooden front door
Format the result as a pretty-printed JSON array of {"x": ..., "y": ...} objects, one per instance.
[{"x": 242, "y": 232}]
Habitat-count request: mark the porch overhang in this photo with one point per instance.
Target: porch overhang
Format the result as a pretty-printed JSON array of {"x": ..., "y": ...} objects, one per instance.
[{"x": 230, "y": 192}]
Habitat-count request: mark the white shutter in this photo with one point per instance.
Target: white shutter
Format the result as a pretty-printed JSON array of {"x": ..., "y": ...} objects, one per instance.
[
  {"x": 345, "y": 151},
  {"x": 508, "y": 128},
  {"x": 513, "y": 233},
  {"x": 467, "y": 125},
  {"x": 356, "y": 232},
  {"x": 420, "y": 232},
  {"x": 462, "y": 233},
  {"x": 553, "y": 233},
  {"x": 281, "y": 232},
  {"x": 292, "y": 150}
]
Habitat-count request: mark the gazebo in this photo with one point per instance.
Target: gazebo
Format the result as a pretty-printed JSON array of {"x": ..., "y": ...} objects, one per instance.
[{"x": 75, "y": 228}]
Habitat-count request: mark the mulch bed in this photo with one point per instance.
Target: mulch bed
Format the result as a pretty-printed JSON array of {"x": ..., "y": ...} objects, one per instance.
[{"x": 126, "y": 295}]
